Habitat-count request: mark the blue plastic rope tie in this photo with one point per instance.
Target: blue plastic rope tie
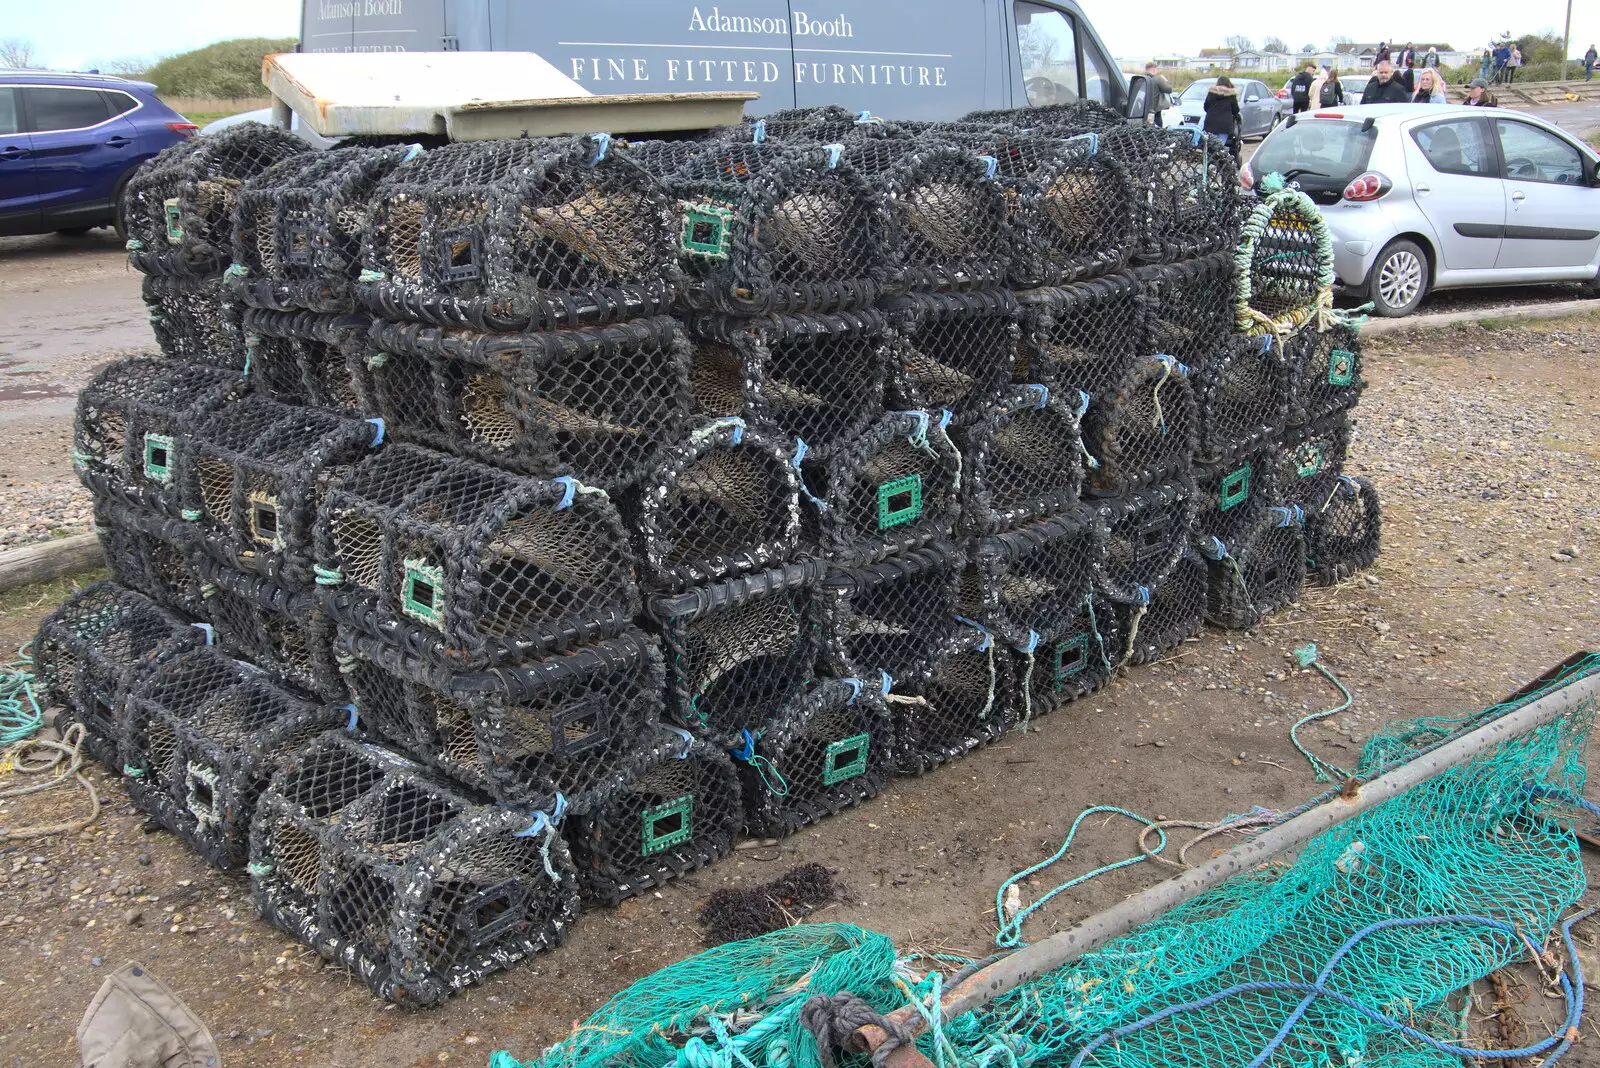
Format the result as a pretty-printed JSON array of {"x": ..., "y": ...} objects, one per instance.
[
  {"x": 834, "y": 152},
  {"x": 1082, "y": 407},
  {"x": 208, "y": 630},
  {"x": 864, "y": 116},
  {"x": 542, "y": 820},
  {"x": 855, "y": 689},
  {"x": 413, "y": 150},
  {"x": 759, "y": 133},
  {"x": 1266, "y": 342},
  {"x": 355, "y": 716},
  {"x": 377, "y": 421},
  {"x": 1286, "y": 516},
  {"x": 1032, "y": 644},
  {"x": 1217, "y": 550},
  {"x": 988, "y": 639},
  {"x": 1091, "y": 137},
  {"x": 945, "y": 415},
  {"x": 1042, "y": 392},
  {"x": 748, "y": 751},
  {"x": 688, "y": 739},
  {"x": 1142, "y": 594},
  {"x": 800, "y": 450},
  {"x": 571, "y": 485},
  {"x": 602, "y": 145},
  {"x": 990, "y": 165}
]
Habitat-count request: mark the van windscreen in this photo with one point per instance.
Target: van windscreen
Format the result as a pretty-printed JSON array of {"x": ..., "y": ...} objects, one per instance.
[{"x": 1323, "y": 155}]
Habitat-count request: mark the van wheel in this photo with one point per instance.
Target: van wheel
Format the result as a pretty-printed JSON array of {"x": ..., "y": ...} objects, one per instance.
[{"x": 1399, "y": 279}]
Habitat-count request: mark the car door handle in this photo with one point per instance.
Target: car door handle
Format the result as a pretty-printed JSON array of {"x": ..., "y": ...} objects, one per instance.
[
  {"x": 12, "y": 152},
  {"x": 1519, "y": 196},
  {"x": 120, "y": 142},
  {"x": 1424, "y": 188}
]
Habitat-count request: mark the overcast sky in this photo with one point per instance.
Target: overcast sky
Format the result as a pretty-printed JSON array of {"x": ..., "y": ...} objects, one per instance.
[{"x": 75, "y": 35}]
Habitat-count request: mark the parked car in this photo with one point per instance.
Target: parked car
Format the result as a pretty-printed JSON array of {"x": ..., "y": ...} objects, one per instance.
[
  {"x": 68, "y": 142},
  {"x": 1259, "y": 111},
  {"x": 1434, "y": 198}
]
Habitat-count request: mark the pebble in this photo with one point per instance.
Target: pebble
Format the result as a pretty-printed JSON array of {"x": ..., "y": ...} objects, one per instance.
[
  {"x": 144, "y": 858},
  {"x": 133, "y": 917}
]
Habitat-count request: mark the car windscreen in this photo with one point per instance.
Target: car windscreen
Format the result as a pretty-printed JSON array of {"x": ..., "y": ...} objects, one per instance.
[
  {"x": 1320, "y": 154},
  {"x": 1196, "y": 92}
]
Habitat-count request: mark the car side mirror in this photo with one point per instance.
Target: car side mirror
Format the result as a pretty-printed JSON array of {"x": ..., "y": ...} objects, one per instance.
[{"x": 1140, "y": 99}]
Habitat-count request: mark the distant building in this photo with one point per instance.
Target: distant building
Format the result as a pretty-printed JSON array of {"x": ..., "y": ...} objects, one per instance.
[{"x": 1346, "y": 59}]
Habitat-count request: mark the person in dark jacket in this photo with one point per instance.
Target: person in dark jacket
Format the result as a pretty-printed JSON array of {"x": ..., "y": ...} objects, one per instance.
[
  {"x": 1382, "y": 55},
  {"x": 1300, "y": 87},
  {"x": 1223, "y": 117},
  {"x": 1384, "y": 88},
  {"x": 1589, "y": 58},
  {"x": 1160, "y": 88},
  {"x": 1407, "y": 67}
]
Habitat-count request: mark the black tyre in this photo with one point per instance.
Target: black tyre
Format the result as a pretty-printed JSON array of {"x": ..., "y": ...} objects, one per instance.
[{"x": 1399, "y": 279}]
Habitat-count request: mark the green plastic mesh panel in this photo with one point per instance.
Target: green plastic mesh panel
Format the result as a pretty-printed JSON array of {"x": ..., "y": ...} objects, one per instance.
[
  {"x": 310, "y": 359},
  {"x": 898, "y": 616},
  {"x": 1312, "y": 462},
  {"x": 1259, "y": 573},
  {"x": 1177, "y": 611},
  {"x": 148, "y": 552},
  {"x": 88, "y": 652},
  {"x": 953, "y": 350},
  {"x": 1149, "y": 532},
  {"x": 1023, "y": 460},
  {"x": 201, "y": 735},
  {"x": 1189, "y": 308},
  {"x": 1325, "y": 372},
  {"x": 967, "y": 702},
  {"x": 1082, "y": 337},
  {"x": 1344, "y": 536},
  {"x": 396, "y": 874},
  {"x": 194, "y": 319},
  {"x": 1078, "y": 658},
  {"x": 475, "y": 564},
  {"x": 1235, "y": 495},
  {"x": 1143, "y": 429},
  {"x": 1243, "y": 395},
  {"x": 677, "y": 809},
  {"x": 284, "y": 632}
]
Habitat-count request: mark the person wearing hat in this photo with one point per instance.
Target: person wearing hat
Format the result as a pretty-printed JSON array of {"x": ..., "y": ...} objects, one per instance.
[{"x": 1478, "y": 95}]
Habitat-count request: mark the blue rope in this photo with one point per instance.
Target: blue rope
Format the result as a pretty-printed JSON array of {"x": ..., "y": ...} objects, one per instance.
[{"x": 18, "y": 720}]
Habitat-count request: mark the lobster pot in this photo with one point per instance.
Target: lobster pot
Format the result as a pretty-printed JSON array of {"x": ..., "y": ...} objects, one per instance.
[
  {"x": 193, "y": 320},
  {"x": 1031, "y": 584},
  {"x": 1189, "y": 309},
  {"x": 178, "y": 208},
  {"x": 948, "y": 224},
  {"x": 129, "y": 423},
  {"x": 1082, "y": 337},
  {"x": 595, "y": 403},
  {"x": 252, "y": 474},
  {"x": 968, "y": 702},
  {"x": 829, "y": 750},
  {"x": 1148, "y": 534},
  {"x": 393, "y": 872},
  {"x": 153, "y": 554},
  {"x": 1143, "y": 430},
  {"x": 1312, "y": 461},
  {"x": 470, "y": 565},
  {"x": 1243, "y": 396},
  {"x": 300, "y": 357},
  {"x": 282, "y": 631},
  {"x": 737, "y": 651},
  {"x": 1235, "y": 495},
  {"x": 1325, "y": 372},
  {"x": 817, "y": 124},
  {"x": 567, "y": 724},
  {"x": 819, "y": 378},
  {"x": 723, "y": 502},
  {"x": 677, "y": 809},
  {"x": 1075, "y": 116},
  {"x": 1022, "y": 461},
  {"x": 297, "y": 228},
  {"x": 1185, "y": 190},
  {"x": 953, "y": 350},
  {"x": 895, "y": 618},
  {"x": 88, "y": 652},
  {"x": 1343, "y": 537},
  {"x": 1176, "y": 612},
  {"x": 526, "y": 234},
  {"x": 894, "y": 489},
  {"x": 1285, "y": 264},
  {"x": 775, "y": 227},
  {"x": 1073, "y": 662},
  {"x": 1258, "y": 574},
  {"x": 201, "y": 735}
]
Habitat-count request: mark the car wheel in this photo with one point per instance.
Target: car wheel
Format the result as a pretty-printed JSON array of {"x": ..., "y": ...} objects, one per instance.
[{"x": 1399, "y": 279}]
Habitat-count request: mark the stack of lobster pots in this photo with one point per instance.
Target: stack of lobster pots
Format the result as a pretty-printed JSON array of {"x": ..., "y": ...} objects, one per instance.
[{"x": 509, "y": 525}]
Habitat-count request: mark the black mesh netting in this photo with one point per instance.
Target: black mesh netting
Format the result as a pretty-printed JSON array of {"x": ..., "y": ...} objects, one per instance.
[
  {"x": 1148, "y": 533},
  {"x": 968, "y": 702},
  {"x": 178, "y": 207},
  {"x": 129, "y": 422},
  {"x": 1070, "y": 663},
  {"x": 1243, "y": 393},
  {"x": 730, "y": 915},
  {"x": 297, "y": 228},
  {"x": 194, "y": 320},
  {"x": 470, "y": 565},
  {"x": 1260, "y": 573},
  {"x": 1082, "y": 337},
  {"x": 1177, "y": 611},
  {"x": 1235, "y": 494},
  {"x": 310, "y": 359},
  {"x": 953, "y": 350},
  {"x": 1069, "y": 203},
  {"x": 89, "y": 651},
  {"x": 815, "y": 124},
  {"x": 1074, "y": 115},
  {"x": 252, "y": 474},
  {"x": 1031, "y": 584},
  {"x": 826, "y": 751},
  {"x": 153, "y": 554},
  {"x": 1023, "y": 460},
  {"x": 285, "y": 632},
  {"x": 894, "y": 488},
  {"x": 1143, "y": 429},
  {"x": 393, "y": 872},
  {"x": 1343, "y": 537},
  {"x": 1325, "y": 372},
  {"x": 1189, "y": 308},
  {"x": 566, "y": 724},
  {"x": 819, "y": 378},
  {"x": 677, "y": 809},
  {"x": 738, "y": 650},
  {"x": 593, "y": 402},
  {"x": 514, "y": 235},
  {"x": 1312, "y": 461},
  {"x": 1186, "y": 190},
  {"x": 202, "y": 733},
  {"x": 897, "y": 617},
  {"x": 723, "y": 502},
  {"x": 777, "y": 227}
]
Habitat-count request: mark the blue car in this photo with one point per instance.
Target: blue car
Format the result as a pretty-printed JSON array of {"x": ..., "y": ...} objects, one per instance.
[{"x": 68, "y": 142}]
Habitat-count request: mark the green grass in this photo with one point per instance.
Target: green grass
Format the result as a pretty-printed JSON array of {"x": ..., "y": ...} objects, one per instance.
[
  {"x": 200, "y": 118},
  {"x": 26, "y": 603}
]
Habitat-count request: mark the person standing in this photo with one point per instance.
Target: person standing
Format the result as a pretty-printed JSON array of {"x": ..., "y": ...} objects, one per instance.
[
  {"x": 1300, "y": 87},
  {"x": 1502, "y": 55},
  {"x": 1223, "y": 117},
  {"x": 1408, "y": 66},
  {"x": 1430, "y": 88},
  {"x": 1382, "y": 55},
  {"x": 1513, "y": 61},
  {"x": 1160, "y": 88},
  {"x": 1484, "y": 64},
  {"x": 1431, "y": 60},
  {"x": 1384, "y": 88},
  {"x": 1589, "y": 58},
  {"x": 1478, "y": 95},
  {"x": 1326, "y": 90}
]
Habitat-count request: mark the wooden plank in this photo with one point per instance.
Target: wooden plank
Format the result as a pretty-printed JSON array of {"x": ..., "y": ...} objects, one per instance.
[{"x": 49, "y": 560}]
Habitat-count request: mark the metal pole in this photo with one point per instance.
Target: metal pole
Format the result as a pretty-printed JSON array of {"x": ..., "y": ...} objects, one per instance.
[
  {"x": 1566, "y": 42},
  {"x": 1061, "y": 948}
]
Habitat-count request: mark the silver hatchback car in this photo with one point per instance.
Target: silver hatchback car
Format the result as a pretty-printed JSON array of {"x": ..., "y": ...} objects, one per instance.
[{"x": 1422, "y": 197}]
